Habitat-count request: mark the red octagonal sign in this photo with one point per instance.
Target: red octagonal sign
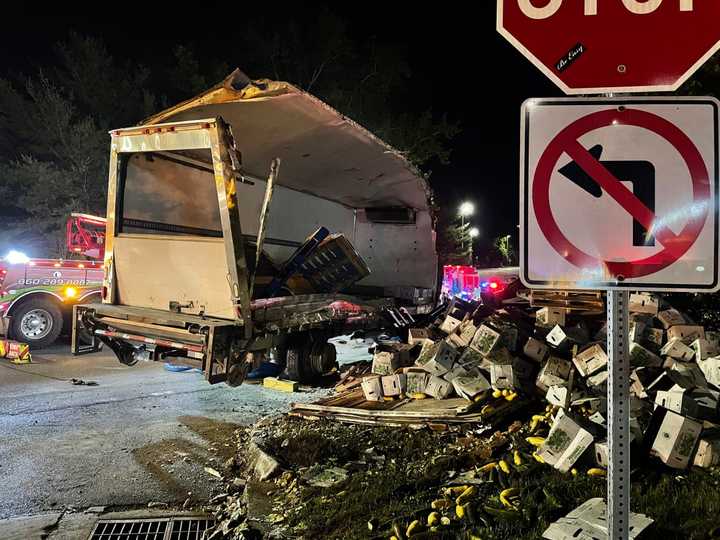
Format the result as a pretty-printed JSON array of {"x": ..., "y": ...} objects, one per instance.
[{"x": 596, "y": 46}]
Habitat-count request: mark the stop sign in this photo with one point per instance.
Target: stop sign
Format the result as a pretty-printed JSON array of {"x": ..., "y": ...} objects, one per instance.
[{"x": 597, "y": 46}]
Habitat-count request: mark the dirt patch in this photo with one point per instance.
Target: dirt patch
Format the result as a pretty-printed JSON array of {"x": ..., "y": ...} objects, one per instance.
[{"x": 219, "y": 434}]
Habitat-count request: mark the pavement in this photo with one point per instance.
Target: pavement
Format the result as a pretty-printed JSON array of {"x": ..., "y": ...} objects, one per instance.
[{"x": 141, "y": 435}]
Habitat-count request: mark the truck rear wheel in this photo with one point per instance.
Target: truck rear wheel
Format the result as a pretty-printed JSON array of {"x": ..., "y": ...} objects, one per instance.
[{"x": 37, "y": 322}]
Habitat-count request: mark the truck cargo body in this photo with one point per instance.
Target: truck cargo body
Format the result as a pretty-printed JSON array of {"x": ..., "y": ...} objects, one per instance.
[{"x": 186, "y": 196}]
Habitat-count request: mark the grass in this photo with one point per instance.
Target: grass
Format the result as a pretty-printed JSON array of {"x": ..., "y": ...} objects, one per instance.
[{"x": 406, "y": 470}]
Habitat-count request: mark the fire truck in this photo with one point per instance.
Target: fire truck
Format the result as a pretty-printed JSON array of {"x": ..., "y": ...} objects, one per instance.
[{"x": 37, "y": 295}]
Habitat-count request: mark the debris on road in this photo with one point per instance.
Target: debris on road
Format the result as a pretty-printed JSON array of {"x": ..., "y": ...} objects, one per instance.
[
  {"x": 81, "y": 382},
  {"x": 213, "y": 472},
  {"x": 15, "y": 351},
  {"x": 492, "y": 423}
]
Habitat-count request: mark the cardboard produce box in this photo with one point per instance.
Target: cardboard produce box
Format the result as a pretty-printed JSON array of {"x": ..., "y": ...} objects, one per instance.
[
  {"x": 711, "y": 369},
  {"x": 511, "y": 376},
  {"x": 591, "y": 360},
  {"x": 556, "y": 371},
  {"x": 536, "y": 350},
  {"x": 438, "y": 359},
  {"x": 415, "y": 381},
  {"x": 372, "y": 388},
  {"x": 550, "y": 316},
  {"x": 471, "y": 387},
  {"x": 641, "y": 357},
  {"x": 644, "y": 303},
  {"x": 453, "y": 320},
  {"x": 565, "y": 443},
  {"x": 672, "y": 438},
  {"x": 686, "y": 333},
  {"x": 563, "y": 338},
  {"x": 589, "y": 522},
  {"x": 485, "y": 340},
  {"x": 670, "y": 317},
  {"x": 385, "y": 362},
  {"x": 419, "y": 336},
  {"x": 675, "y": 348},
  {"x": 704, "y": 349},
  {"x": 394, "y": 385},
  {"x": 437, "y": 387},
  {"x": 708, "y": 454}
]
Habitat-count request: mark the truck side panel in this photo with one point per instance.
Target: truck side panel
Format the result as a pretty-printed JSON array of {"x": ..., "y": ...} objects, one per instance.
[{"x": 398, "y": 255}]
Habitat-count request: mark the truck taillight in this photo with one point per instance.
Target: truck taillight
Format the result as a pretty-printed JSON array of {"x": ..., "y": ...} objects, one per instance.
[{"x": 104, "y": 292}]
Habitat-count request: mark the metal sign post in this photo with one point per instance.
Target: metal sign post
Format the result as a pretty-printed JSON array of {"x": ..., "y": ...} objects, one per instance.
[{"x": 618, "y": 407}]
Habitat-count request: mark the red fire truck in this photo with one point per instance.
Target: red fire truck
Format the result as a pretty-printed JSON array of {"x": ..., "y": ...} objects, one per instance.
[{"x": 37, "y": 295}]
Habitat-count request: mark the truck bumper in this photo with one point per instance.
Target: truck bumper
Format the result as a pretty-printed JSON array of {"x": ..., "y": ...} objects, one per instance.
[
  {"x": 148, "y": 334},
  {"x": 4, "y": 326}
]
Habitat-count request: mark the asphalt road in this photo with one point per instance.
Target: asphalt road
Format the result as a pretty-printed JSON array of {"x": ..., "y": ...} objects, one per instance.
[{"x": 142, "y": 435}]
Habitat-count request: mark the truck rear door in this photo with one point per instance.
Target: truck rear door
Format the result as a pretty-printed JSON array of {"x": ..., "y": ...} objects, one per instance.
[{"x": 174, "y": 241}]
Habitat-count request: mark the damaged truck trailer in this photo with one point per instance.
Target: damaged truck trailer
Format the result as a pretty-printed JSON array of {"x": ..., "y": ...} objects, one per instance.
[{"x": 255, "y": 219}]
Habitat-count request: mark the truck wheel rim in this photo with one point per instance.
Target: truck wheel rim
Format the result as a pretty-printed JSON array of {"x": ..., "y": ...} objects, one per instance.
[{"x": 36, "y": 324}]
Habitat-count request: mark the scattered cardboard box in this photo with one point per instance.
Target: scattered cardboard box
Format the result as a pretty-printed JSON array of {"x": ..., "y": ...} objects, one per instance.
[
  {"x": 672, "y": 437},
  {"x": 589, "y": 522},
  {"x": 550, "y": 316},
  {"x": 385, "y": 362},
  {"x": 536, "y": 350},
  {"x": 704, "y": 349},
  {"x": 471, "y": 387},
  {"x": 708, "y": 453},
  {"x": 419, "y": 336},
  {"x": 644, "y": 303},
  {"x": 641, "y": 357},
  {"x": 415, "y": 381},
  {"x": 372, "y": 388},
  {"x": 591, "y": 360},
  {"x": 675, "y": 348},
  {"x": 437, "y": 387},
  {"x": 670, "y": 317},
  {"x": 394, "y": 385},
  {"x": 556, "y": 371},
  {"x": 686, "y": 333},
  {"x": 565, "y": 443},
  {"x": 485, "y": 340}
]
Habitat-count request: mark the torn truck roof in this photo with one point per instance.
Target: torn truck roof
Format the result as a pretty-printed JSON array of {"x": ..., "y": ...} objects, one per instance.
[{"x": 323, "y": 152}]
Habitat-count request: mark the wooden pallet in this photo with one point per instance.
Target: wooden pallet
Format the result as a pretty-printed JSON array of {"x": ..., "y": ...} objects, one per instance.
[
  {"x": 351, "y": 407},
  {"x": 570, "y": 301}
]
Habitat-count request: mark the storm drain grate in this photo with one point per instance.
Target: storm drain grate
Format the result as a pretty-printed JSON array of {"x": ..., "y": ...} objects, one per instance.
[{"x": 179, "y": 528}]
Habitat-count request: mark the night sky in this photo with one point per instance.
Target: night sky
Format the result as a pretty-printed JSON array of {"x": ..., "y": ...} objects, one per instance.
[{"x": 456, "y": 56}]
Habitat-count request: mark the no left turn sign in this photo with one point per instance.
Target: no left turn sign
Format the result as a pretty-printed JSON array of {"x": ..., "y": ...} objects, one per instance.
[{"x": 620, "y": 193}]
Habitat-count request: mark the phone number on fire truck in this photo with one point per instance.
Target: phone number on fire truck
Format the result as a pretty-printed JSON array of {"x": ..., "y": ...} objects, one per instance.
[{"x": 51, "y": 281}]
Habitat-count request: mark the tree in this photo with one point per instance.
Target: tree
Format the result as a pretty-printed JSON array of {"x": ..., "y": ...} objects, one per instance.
[
  {"x": 54, "y": 123},
  {"x": 504, "y": 247},
  {"x": 53, "y": 136},
  {"x": 453, "y": 244}
]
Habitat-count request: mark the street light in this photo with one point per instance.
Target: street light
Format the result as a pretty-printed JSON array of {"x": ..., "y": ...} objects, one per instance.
[{"x": 466, "y": 209}]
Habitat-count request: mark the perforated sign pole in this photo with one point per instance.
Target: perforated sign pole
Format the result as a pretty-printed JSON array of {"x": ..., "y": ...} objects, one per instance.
[{"x": 618, "y": 397}]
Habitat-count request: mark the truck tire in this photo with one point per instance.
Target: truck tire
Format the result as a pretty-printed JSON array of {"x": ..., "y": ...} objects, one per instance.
[{"x": 37, "y": 322}]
